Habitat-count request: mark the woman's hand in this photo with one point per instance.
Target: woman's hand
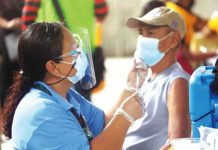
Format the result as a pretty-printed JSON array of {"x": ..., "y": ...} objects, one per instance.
[
  {"x": 132, "y": 106},
  {"x": 166, "y": 147},
  {"x": 136, "y": 76}
]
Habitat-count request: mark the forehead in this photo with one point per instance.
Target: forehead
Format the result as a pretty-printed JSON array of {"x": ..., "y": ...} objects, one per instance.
[
  {"x": 69, "y": 43},
  {"x": 67, "y": 34}
]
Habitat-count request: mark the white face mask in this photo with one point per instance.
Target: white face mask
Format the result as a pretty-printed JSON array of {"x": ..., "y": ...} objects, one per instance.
[
  {"x": 148, "y": 51},
  {"x": 80, "y": 63},
  {"x": 81, "y": 66}
]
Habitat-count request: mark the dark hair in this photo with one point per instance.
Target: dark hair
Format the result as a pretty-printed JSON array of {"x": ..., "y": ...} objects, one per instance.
[
  {"x": 151, "y": 5},
  {"x": 186, "y": 6},
  {"x": 39, "y": 43}
]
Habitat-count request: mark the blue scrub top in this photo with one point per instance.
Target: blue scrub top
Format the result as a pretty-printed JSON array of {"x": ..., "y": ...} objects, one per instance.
[{"x": 42, "y": 121}]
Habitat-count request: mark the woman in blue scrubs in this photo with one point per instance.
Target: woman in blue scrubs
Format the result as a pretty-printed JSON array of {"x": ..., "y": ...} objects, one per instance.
[{"x": 44, "y": 112}]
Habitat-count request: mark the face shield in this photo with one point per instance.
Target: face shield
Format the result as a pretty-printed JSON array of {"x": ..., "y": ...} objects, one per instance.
[{"x": 82, "y": 37}]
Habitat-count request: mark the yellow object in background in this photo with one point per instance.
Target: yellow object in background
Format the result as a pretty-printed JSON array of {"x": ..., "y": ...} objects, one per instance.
[
  {"x": 98, "y": 48},
  {"x": 202, "y": 44},
  {"x": 213, "y": 22},
  {"x": 99, "y": 88},
  {"x": 98, "y": 34}
]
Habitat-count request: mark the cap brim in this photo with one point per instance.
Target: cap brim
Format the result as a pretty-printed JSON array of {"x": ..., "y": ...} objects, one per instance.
[{"x": 137, "y": 22}]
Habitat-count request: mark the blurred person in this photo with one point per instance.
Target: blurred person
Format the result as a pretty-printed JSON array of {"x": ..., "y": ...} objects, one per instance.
[
  {"x": 44, "y": 112},
  {"x": 213, "y": 22},
  {"x": 10, "y": 22},
  {"x": 74, "y": 14},
  {"x": 29, "y": 12},
  {"x": 194, "y": 24},
  {"x": 165, "y": 94},
  {"x": 206, "y": 41},
  {"x": 101, "y": 10},
  {"x": 210, "y": 30},
  {"x": 151, "y": 4}
]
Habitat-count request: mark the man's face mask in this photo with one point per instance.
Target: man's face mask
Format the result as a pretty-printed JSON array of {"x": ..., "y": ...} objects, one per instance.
[{"x": 147, "y": 50}]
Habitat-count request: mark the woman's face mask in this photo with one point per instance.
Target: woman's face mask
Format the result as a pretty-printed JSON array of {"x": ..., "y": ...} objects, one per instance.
[
  {"x": 81, "y": 66},
  {"x": 147, "y": 50},
  {"x": 79, "y": 62}
]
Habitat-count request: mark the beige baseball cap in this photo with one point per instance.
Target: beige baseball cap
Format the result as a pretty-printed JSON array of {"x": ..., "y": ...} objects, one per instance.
[{"x": 160, "y": 16}]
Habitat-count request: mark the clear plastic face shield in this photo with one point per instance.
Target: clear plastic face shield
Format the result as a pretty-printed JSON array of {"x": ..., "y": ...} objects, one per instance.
[{"x": 88, "y": 80}]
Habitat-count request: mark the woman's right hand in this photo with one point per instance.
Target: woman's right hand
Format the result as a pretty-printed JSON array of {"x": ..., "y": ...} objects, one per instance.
[
  {"x": 132, "y": 106},
  {"x": 117, "y": 126},
  {"x": 136, "y": 75}
]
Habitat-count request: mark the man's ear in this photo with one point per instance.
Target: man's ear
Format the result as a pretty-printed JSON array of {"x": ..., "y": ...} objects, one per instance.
[
  {"x": 51, "y": 67},
  {"x": 175, "y": 40}
]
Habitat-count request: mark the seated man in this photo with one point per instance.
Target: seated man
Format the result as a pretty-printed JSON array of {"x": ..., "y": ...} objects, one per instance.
[{"x": 166, "y": 95}]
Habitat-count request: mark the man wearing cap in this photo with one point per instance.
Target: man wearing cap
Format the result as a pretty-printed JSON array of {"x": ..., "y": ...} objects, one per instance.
[{"x": 166, "y": 96}]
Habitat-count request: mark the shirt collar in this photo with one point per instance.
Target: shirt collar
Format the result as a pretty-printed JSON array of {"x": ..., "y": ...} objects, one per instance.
[
  {"x": 73, "y": 99},
  {"x": 56, "y": 97}
]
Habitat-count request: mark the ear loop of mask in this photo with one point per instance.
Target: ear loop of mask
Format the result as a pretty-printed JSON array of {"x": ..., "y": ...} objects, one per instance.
[
  {"x": 168, "y": 49},
  {"x": 64, "y": 76}
]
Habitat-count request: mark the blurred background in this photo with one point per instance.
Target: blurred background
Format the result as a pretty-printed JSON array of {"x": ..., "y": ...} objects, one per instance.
[{"x": 120, "y": 41}]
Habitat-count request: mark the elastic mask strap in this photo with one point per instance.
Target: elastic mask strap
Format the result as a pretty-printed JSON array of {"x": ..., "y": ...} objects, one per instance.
[
  {"x": 168, "y": 49},
  {"x": 64, "y": 76},
  {"x": 166, "y": 36},
  {"x": 74, "y": 61}
]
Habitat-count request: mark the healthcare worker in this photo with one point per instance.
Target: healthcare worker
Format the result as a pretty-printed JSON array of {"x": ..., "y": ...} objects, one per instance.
[{"x": 44, "y": 112}]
